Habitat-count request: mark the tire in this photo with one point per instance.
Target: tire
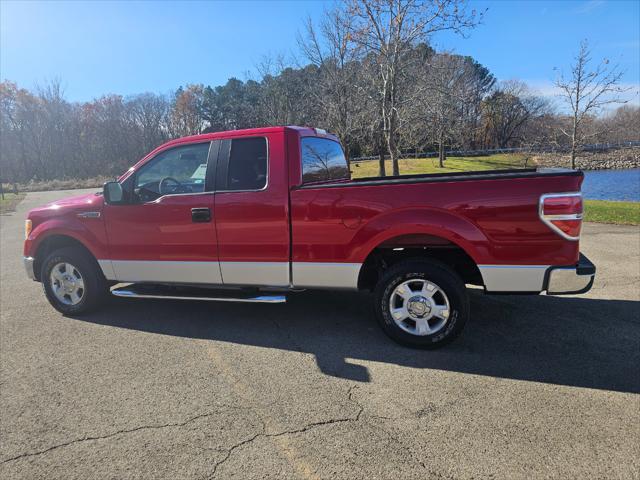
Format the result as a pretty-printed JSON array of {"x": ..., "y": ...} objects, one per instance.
[
  {"x": 87, "y": 287},
  {"x": 436, "y": 296}
]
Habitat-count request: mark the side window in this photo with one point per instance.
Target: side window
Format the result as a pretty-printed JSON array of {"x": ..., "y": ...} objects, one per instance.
[
  {"x": 247, "y": 164},
  {"x": 322, "y": 160},
  {"x": 178, "y": 170}
]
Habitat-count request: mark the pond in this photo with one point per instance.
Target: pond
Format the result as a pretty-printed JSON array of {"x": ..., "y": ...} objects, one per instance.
[{"x": 612, "y": 184}]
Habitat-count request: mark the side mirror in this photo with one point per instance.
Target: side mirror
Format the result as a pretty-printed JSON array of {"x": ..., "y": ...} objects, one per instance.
[{"x": 112, "y": 193}]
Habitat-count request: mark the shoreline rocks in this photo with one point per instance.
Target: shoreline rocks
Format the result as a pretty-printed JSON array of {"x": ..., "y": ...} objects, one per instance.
[{"x": 621, "y": 159}]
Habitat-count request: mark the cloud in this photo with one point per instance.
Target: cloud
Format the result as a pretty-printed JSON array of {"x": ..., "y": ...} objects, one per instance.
[{"x": 589, "y": 6}]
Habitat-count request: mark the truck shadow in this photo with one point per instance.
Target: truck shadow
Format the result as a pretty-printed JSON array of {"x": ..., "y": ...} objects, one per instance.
[{"x": 579, "y": 342}]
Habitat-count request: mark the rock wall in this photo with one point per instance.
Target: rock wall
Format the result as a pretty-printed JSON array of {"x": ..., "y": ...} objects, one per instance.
[{"x": 610, "y": 159}]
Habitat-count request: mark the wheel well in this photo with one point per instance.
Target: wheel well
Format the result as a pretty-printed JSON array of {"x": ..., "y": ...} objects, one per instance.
[
  {"x": 54, "y": 242},
  {"x": 417, "y": 246}
]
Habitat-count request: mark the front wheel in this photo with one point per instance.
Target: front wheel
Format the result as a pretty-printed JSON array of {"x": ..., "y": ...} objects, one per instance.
[
  {"x": 72, "y": 281},
  {"x": 421, "y": 303}
]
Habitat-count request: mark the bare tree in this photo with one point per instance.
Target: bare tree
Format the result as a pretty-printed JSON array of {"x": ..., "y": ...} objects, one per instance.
[
  {"x": 389, "y": 30},
  {"x": 331, "y": 49},
  {"x": 508, "y": 110},
  {"x": 445, "y": 99},
  {"x": 149, "y": 114},
  {"x": 587, "y": 91}
]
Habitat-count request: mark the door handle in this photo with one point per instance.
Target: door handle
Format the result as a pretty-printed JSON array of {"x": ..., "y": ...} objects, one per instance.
[{"x": 200, "y": 215}]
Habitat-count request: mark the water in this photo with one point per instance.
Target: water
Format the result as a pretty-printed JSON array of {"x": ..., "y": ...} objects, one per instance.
[{"x": 612, "y": 184}]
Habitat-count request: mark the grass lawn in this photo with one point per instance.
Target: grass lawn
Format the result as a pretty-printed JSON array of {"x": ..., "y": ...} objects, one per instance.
[
  {"x": 10, "y": 201},
  {"x": 411, "y": 166},
  {"x": 604, "y": 211}
]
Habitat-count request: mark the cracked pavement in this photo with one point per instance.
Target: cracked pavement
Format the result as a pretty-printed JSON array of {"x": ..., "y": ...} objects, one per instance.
[{"x": 535, "y": 387}]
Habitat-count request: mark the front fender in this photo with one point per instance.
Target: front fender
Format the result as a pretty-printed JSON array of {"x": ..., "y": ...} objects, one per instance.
[{"x": 92, "y": 235}]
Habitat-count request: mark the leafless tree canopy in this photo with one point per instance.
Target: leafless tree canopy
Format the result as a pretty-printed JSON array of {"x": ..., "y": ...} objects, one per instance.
[
  {"x": 388, "y": 31},
  {"x": 587, "y": 90}
]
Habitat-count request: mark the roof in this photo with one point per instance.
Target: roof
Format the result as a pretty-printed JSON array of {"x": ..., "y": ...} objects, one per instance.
[{"x": 303, "y": 131}]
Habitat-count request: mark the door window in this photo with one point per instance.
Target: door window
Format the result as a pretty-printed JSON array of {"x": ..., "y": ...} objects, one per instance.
[
  {"x": 247, "y": 164},
  {"x": 174, "y": 171}
]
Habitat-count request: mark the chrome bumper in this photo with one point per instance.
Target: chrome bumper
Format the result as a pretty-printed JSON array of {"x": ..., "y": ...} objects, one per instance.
[
  {"x": 571, "y": 280},
  {"x": 28, "y": 266}
]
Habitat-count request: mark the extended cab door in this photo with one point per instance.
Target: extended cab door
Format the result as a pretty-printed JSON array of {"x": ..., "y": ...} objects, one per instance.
[
  {"x": 252, "y": 211},
  {"x": 165, "y": 232}
]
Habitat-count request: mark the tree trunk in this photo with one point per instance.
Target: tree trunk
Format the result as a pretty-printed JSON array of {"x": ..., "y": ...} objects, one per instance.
[
  {"x": 393, "y": 150},
  {"x": 382, "y": 171},
  {"x": 573, "y": 143},
  {"x": 347, "y": 157},
  {"x": 441, "y": 155},
  {"x": 394, "y": 163}
]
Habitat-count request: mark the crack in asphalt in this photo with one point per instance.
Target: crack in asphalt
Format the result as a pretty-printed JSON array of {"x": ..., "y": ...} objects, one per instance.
[
  {"x": 306, "y": 428},
  {"x": 110, "y": 435},
  {"x": 228, "y": 452}
]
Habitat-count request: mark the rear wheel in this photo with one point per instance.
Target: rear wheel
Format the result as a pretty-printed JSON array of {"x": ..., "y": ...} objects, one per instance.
[
  {"x": 72, "y": 281},
  {"x": 421, "y": 303}
]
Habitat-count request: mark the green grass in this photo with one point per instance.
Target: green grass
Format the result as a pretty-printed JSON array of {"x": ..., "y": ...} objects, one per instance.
[
  {"x": 411, "y": 166},
  {"x": 9, "y": 202},
  {"x": 604, "y": 211}
]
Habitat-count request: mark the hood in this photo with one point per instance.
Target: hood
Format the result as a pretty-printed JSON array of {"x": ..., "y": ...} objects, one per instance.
[{"x": 77, "y": 203}]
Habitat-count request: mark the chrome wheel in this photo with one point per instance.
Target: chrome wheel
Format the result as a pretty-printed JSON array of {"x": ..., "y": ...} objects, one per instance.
[
  {"x": 419, "y": 307},
  {"x": 67, "y": 283}
]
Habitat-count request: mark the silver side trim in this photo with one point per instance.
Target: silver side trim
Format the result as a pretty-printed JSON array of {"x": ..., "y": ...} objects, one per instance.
[
  {"x": 274, "y": 274},
  {"x": 326, "y": 275},
  {"x": 107, "y": 269},
  {"x": 123, "y": 292},
  {"x": 513, "y": 278},
  {"x": 164, "y": 271}
]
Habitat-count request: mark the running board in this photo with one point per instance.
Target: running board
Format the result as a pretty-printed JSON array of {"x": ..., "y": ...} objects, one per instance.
[{"x": 179, "y": 293}]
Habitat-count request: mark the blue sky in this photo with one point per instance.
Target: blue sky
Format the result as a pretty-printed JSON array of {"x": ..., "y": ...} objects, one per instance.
[{"x": 132, "y": 47}]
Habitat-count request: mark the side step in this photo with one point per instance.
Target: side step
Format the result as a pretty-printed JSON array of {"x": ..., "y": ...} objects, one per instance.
[{"x": 193, "y": 293}]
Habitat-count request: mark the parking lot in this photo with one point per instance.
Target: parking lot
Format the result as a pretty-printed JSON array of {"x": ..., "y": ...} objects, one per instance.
[{"x": 535, "y": 387}]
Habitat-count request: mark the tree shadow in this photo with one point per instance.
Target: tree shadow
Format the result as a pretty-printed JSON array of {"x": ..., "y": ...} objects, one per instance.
[{"x": 579, "y": 342}]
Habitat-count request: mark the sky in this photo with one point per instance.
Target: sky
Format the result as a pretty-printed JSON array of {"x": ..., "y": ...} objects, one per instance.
[{"x": 96, "y": 48}]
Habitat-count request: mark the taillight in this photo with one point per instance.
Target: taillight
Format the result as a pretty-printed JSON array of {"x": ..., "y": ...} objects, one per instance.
[{"x": 563, "y": 213}]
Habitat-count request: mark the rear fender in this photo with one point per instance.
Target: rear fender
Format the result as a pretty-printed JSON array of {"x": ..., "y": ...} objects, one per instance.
[{"x": 439, "y": 223}]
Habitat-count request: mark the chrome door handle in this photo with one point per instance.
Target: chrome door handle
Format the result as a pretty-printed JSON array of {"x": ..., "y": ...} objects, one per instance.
[{"x": 200, "y": 215}]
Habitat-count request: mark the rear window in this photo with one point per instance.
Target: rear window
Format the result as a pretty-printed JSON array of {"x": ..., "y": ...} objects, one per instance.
[{"x": 322, "y": 160}]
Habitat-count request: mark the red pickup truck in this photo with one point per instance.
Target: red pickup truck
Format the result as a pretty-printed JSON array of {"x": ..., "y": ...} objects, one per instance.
[{"x": 252, "y": 215}]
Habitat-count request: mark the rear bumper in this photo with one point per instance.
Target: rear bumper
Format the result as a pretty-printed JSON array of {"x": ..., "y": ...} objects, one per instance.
[
  {"x": 28, "y": 266},
  {"x": 534, "y": 279},
  {"x": 570, "y": 280}
]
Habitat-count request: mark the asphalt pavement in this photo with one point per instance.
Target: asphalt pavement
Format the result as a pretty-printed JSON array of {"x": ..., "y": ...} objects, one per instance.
[{"x": 536, "y": 387}]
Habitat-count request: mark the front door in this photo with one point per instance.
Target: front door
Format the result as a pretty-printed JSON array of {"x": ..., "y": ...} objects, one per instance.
[{"x": 165, "y": 233}]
